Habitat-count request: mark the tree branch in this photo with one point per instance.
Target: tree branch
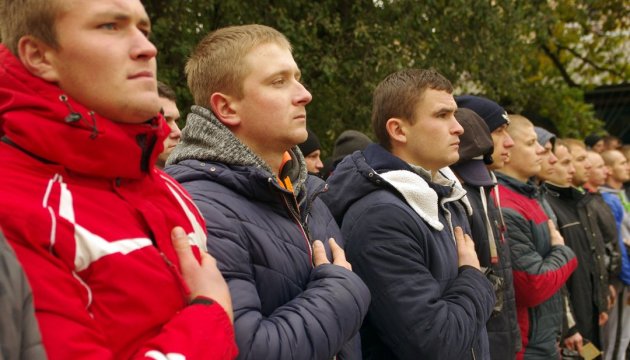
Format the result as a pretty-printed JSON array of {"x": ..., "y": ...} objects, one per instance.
[
  {"x": 563, "y": 71},
  {"x": 588, "y": 61}
]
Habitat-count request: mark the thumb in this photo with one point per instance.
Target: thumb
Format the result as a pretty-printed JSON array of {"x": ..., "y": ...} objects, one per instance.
[
  {"x": 319, "y": 253},
  {"x": 182, "y": 248},
  {"x": 459, "y": 234},
  {"x": 551, "y": 225}
]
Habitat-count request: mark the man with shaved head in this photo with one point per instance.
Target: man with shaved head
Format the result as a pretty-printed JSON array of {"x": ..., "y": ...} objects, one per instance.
[
  {"x": 577, "y": 221},
  {"x": 541, "y": 262},
  {"x": 617, "y": 333}
]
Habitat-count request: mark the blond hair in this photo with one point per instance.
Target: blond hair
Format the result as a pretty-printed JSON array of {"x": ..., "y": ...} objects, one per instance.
[
  {"x": 518, "y": 122},
  {"x": 28, "y": 17},
  {"x": 574, "y": 143},
  {"x": 217, "y": 65}
]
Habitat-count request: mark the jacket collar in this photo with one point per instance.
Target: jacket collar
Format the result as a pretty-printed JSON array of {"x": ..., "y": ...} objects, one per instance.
[
  {"x": 205, "y": 138},
  {"x": 564, "y": 192},
  {"x": 527, "y": 189},
  {"x": 39, "y": 118},
  {"x": 423, "y": 194}
]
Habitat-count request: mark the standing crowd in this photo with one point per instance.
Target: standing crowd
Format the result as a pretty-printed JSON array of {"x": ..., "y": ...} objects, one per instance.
[{"x": 461, "y": 232}]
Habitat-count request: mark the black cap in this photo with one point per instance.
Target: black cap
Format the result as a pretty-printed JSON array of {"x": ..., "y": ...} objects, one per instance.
[
  {"x": 311, "y": 144},
  {"x": 591, "y": 140},
  {"x": 348, "y": 142}
]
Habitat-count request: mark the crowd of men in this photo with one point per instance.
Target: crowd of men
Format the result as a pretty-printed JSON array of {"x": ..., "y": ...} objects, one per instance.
[{"x": 461, "y": 232}]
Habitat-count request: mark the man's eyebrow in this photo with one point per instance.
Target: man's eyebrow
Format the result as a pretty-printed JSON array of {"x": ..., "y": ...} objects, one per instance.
[
  {"x": 445, "y": 109},
  {"x": 286, "y": 72},
  {"x": 119, "y": 16}
]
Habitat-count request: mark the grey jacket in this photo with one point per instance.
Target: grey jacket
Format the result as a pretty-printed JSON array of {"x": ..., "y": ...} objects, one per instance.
[{"x": 19, "y": 333}]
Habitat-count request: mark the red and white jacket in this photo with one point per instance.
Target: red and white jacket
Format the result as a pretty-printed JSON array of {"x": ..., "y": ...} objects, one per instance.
[{"x": 90, "y": 220}]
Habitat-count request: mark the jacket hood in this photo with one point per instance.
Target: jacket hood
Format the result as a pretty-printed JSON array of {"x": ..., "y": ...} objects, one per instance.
[
  {"x": 206, "y": 139},
  {"x": 39, "y": 118},
  {"x": 376, "y": 169}
]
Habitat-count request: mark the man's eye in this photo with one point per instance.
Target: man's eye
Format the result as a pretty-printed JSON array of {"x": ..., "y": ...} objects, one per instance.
[{"x": 108, "y": 26}]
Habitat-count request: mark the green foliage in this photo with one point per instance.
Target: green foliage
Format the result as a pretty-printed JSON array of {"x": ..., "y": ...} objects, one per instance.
[{"x": 517, "y": 52}]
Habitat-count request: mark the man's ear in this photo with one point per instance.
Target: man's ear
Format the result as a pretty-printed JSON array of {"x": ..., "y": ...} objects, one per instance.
[
  {"x": 396, "y": 128},
  {"x": 37, "y": 58},
  {"x": 223, "y": 107}
]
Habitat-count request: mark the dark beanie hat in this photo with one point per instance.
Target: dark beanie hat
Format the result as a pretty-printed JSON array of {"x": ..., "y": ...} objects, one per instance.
[
  {"x": 591, "y": 140},
  {"x": 544, "y": 136},
  {"x": 348, "y": 142},
  {"x": 311, "y": 144},
  {"x": 492, "y": 113}
]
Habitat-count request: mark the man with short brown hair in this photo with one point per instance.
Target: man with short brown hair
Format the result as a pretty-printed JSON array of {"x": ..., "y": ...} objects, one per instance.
[
  {"x": 168, "y": 102},
  {"x": 578, "y": 224},
  {"x": 404, "y": 217}
]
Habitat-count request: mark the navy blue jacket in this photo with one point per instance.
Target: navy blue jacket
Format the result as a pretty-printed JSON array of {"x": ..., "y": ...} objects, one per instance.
[
  {"x": 423, "y": 305},
  {"x": 284, "y": 308}
]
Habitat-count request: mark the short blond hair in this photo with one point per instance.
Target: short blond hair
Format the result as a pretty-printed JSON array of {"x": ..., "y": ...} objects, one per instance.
[
  {"x": 217, "y": 65},
  {"x": 574, "y": 143},
  {"x": 29, "y": 17},
  {"x": 518, "y": 122}
]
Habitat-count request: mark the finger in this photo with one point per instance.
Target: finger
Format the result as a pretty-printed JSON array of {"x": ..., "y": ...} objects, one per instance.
[
  {"x": 182, "y": 249},
  {"x": 579, "y": 344},
  {"x": 337, "y": 251},
  {"x": 552, "y": 226},
  {"x": 319, "y": 253},
  {"x": 207, "y": 259},
  {"x": 459, "y": 234}
]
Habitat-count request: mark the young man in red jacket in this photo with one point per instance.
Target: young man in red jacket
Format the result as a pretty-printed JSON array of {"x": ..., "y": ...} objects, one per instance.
[
  {"x": 102, "y": 235},
  {"x": 541, "y": 263}
]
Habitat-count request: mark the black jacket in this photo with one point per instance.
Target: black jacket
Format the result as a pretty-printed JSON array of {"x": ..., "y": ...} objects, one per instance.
[{"x": 578, "y": 225}]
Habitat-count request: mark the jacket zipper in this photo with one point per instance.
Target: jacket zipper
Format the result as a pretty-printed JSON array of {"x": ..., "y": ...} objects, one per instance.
[
  {"x": 178, "y": 277},
  {"x": 296, "y": 218}
]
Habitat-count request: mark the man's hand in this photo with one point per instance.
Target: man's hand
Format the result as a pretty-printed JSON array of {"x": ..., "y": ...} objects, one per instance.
[
  {"x": 556, "y": 237},
  {"x": 574, "y": 342},
  {"x": 203, "y": 279},
  {"x": 603, "y": 318},
  {"x": 612, "y": 296},
  {"x": 338, "y": 255},
  {"x": 466, "y": 249}
]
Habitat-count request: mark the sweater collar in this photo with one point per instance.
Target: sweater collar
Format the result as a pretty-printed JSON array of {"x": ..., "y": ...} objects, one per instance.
[{"x": 205, "y": 138}]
